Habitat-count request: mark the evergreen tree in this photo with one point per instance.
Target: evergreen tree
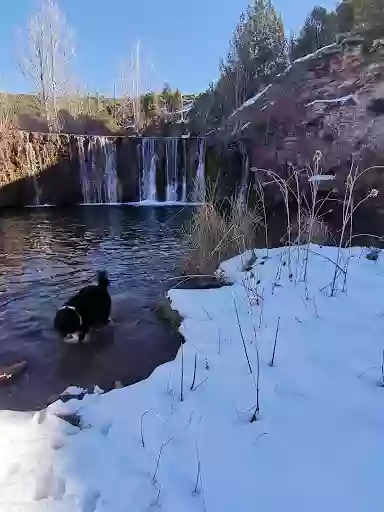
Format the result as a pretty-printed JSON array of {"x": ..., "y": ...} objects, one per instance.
[
  {"x": 369, "y": 14},
  {"x": 258, "y": 50},
  {"x": 345, "y": 16},
  {"x": 166, "y": 98},
  {"x": 177, "y": 101},
  {"x": 319, "y": 30},
  {"x": 149, "y": 105}
]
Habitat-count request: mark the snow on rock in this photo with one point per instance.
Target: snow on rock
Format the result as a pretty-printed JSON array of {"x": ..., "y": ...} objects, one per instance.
[
  {"x": 251, "y": 101},
  {"x": 317, "y": 443},
  {"x": 318, "y": 52},
  {"x": 321, "y": 177},
  {"x": 342, "y": 100},
  {"x": 74, "y": 391}
]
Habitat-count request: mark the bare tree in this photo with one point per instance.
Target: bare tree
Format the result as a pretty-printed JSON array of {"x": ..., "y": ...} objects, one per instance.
[
  {"x": 137, "y": 77},
  {"x": 47, "y": 56}
]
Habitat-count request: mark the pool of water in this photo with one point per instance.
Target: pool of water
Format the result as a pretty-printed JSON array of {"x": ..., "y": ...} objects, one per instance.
[{"x": 46, "y": 255}]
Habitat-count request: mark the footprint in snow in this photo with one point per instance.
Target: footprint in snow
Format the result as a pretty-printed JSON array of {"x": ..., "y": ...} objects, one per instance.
[
  {"x": 44, "y": 485},
  {"x": 89, "y": 501},
  {"x": 104, "y": 429}
]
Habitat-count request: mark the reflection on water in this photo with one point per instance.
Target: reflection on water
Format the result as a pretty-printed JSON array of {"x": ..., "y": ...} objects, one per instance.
[{"x": 46, "y": 255}]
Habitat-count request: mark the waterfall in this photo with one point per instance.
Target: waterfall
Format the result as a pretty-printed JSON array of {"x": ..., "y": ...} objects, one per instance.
[
  {"x": 98, "y": 169},
  {"x": 111, "y": 182},
  {"x": 33, "y": 169},
  {"x": 85, "y": 181},
  {"x": 199, "y": 190},
  {"x": 184, "y": 185},
  {"x": 148, "y": 181},
  {"x": 171, "y": 147},
  {"x": 98, "y": 175}
]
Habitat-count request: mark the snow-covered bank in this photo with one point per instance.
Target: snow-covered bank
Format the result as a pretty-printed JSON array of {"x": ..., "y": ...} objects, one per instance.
[{"x": 317, "y": 444}]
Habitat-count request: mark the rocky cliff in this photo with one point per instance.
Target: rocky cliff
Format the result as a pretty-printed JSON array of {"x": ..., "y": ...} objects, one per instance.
[{"x": 331, "y": 101}]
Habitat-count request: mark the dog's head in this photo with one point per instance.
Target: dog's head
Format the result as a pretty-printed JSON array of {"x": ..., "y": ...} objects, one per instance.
[{"x": 68, "y": 324}]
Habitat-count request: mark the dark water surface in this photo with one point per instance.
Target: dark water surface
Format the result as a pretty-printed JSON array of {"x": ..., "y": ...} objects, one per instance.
[{"x": 46, "y": 255}]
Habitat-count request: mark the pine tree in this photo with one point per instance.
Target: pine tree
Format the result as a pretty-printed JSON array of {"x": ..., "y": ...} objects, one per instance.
[
  {"x": 345, "y": 16},
  {"x": 369, "y": 14},
  {"x": 149, "y": 105},
  {"x": 258, "y": 52},
  {"x": 177, "y": 100},
  {"x": 319, "y": 30}
]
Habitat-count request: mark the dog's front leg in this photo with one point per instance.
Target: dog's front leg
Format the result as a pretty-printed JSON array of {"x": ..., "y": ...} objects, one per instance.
[{"x": 73, "y": 339}]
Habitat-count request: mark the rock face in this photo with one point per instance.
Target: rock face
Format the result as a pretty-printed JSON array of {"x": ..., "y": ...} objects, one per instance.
[
  {"x": 331, "y": 101},
  {"x": 38, "y": 169}
]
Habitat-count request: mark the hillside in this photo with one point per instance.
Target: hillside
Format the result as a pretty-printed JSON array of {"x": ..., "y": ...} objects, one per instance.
[
  {"x": 330, "y": 101},
  {"x": 95, "y": 115}
]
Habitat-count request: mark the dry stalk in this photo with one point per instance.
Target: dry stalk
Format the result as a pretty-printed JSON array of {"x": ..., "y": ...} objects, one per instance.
[
  {"x": 275, "y": 342},
  {"x": 164, "y": 444},
  {"x": 194, "y": 373},
  {"x": 182, "y": 375},
  {"x": 242, "y": 335},
  {"x": 142, "y": 426}
]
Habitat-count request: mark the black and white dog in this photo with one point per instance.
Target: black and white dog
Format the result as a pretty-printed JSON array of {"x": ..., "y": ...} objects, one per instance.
[{"x": 88, "y": 309}]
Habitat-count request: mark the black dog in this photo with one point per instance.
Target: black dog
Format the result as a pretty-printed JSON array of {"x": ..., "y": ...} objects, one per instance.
[{"x": 89, "y": 308}]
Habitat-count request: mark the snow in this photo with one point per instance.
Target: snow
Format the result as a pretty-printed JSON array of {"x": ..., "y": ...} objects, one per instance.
[
  {"x": 321, "y": 177},
  {"x": 317, "y": 443},
  {"x": 74, "y": 391},
  {"x": 315, "y": 54},
  {"x": 342, "y": 100},
  {"x": 251, "y": 101},
  {"x": 245, "y": 126}
]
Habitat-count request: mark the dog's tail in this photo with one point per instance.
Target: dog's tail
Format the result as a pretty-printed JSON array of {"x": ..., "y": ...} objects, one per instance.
[{"x": 102, "y": 279}]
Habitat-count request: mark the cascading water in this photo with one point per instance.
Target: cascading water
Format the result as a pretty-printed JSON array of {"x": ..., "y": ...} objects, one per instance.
[
  {"x": 184, "y": 185},
  {"x": 33, "y": 169},
  {"x": 199, "y": 191},
  {"x": 171, "y": 148},
  {"x": 84, "y": 178},
  {"x": 148, "y": 181},
  {"x": 111, "y": 182},
  {"x": 98, "y": 169},
  {"x": 98, "y": 176}
]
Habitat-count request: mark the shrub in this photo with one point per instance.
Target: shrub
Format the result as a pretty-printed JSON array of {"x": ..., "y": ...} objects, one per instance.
[{"x": 214, "y": 236}]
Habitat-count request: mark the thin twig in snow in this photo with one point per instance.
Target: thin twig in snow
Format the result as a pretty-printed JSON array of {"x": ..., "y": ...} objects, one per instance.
[
  {"x": 241, "y": 334},
  {"x": 196, "y": 488},
  {"x": 260, "y": 436},
  {"x": 194, "y": 373},
  {"x": 163, "y": 445},
  {"x": 201, "y": 383},
  {"x": 142, "y": 426},
  {"x": 182, "y": 375},
  {"x": 206, "y": 312},
  {"x": 367, "y": 370},
  {"x": 315, "y": 308},
  {"x": 274, "y": 345},
  {"x": 155, "y": 503}
]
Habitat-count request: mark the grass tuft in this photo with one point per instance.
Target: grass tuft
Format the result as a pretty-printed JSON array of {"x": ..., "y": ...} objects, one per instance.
[{"x": 214, "y": 236}]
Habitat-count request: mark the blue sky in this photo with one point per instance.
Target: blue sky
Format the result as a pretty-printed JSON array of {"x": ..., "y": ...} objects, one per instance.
[{"x": 182, "y": 41}]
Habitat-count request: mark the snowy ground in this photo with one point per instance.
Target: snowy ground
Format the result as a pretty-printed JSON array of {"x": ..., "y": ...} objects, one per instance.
[{"x": 317, "y": 444}]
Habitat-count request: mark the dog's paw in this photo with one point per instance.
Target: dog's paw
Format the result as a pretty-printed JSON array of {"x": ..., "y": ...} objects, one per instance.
[{"x": 72, "y": 339}]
